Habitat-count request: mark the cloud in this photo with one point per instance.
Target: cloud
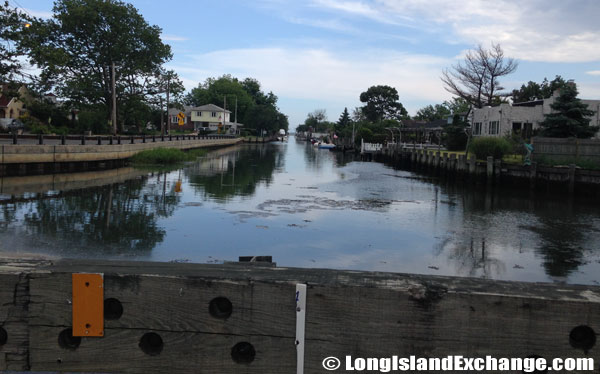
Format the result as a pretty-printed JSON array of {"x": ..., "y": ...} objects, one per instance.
[
  {"x": 532, "y": 30},
  {"x": 173, "y": 38},
  {"x": 321, "y": 75},
  {"x": 593, "y": 72}
]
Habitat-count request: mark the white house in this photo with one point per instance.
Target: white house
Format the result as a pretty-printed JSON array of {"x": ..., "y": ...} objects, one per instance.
[
  {"x": 208, "y": 117},
  {"x": 519, "y": 118}
]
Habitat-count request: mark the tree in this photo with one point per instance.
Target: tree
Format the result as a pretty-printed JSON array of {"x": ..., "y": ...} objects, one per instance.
[
  {"x": 457, "y": 105},
  {"x": 569, "y": 117},
  {"x": 12, "y": 27},
  {"x": 77, "y": 47},
  {"x": 476, "y": 80},
  {"x": 534, "y": 91},
  {"x": 382, "y": 103},
  {"x": 317, "y": 120},
  {"x": 456, "y": 137},
  {"x": 431, "y": 113},
  {"x": 344, "y": 118},
  {"x": 255, "y": 109}
]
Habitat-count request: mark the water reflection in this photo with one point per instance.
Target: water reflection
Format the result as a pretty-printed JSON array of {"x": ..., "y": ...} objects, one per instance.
[
  {"x": 118, "y": 218},
  {"x": 561, "y": 232},
  {"x": 305, "y": 207},
  {"x": 223, "y": 175}
]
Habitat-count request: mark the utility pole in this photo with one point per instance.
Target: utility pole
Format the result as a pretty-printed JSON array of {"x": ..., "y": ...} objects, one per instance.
[
  {"x": 168, "y": 89},
  {"x": 162, "y": 117},
  {"x": 114, "y": 99}
]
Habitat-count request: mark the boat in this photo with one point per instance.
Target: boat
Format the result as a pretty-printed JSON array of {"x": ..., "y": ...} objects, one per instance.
[{"x": 326, "y": 146}]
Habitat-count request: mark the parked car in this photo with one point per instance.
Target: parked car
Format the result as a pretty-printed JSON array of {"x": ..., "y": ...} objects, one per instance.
[{"x": 11, "y": 125}]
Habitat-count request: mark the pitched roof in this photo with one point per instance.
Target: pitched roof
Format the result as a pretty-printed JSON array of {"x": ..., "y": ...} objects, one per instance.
[
  {"x": 4, "y": 100},
  {"x": 209, "y": 108}
]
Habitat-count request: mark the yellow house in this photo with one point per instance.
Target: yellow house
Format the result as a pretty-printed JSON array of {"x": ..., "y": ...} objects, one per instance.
[{"x": 12, "y": 107}]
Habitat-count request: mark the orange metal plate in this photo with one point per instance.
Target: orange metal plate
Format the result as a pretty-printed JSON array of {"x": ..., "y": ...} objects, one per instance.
[{"x": 88, "y": 305}]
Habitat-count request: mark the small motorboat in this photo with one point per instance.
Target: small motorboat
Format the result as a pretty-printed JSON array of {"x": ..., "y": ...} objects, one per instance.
[{"x": 326, "y": 146}]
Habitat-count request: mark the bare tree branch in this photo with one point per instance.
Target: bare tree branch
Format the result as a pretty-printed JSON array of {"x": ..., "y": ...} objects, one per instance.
[{"x": 476, "y": 79}]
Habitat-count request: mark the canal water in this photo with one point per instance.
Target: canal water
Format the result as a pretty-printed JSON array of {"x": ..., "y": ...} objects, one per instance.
[{"x": 306, "y": 207}]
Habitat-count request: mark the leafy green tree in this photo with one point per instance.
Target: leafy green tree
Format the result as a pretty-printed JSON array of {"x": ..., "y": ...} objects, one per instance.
[
  {"x": 12, "y": 30},
  {"x": 77, "y": 46},
  {"x": 534, "y": 91},
  {"x": 570, "y": 117},
  {"x": 317, "y": 121},
  {"x": 548, "y": 88},
  {"x": 382, "y": 103},
  {"x": 455, "y": 135},
  {"x": 432, "y": 112},
  {"x": 255, "y": 109},
  {"x": 457, "y": 105}
]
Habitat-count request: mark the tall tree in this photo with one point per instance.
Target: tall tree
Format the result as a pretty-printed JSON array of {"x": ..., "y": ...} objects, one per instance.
[
  {"x": 382, "y": 103},
  {"x": 344, "y": 120},
  {"x": 77, "y": 47},
  {"x": 317, "y": 120},
  {"x": 570, "y": 117},
  {"x": 13, "y": 26},
  {"x": 477, "y": 78},
  {"x": 255, "y": 109},
  {"x": 534, "y": 91},
  {"x": 432, "y": 112}
]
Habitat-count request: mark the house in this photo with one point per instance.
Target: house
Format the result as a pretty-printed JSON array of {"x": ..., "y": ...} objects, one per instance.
[
  {"x": 12, "y": 107},
  {"x": 208, "y": 117},
  {"x": 519, "y": 118}
]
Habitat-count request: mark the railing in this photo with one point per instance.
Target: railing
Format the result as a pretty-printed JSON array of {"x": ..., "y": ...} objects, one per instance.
[
  {"x": 104, "y": 140},
  {"x": 370, "y": 147}
]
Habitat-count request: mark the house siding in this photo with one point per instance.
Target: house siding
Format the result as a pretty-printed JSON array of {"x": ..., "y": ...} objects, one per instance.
[{"x": 507, "y": 114}]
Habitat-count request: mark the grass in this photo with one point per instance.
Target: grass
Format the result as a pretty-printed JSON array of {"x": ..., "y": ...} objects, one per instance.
[
  {"x": 165, "y": 156},
  {"x": 584, "y": 164}
]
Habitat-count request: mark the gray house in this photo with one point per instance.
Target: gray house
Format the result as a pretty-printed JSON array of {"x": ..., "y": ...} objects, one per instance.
[{"x": 519, "y": 118}]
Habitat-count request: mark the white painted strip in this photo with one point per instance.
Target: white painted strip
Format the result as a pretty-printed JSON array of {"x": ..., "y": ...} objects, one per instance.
[{"x": 300, "y": 326}]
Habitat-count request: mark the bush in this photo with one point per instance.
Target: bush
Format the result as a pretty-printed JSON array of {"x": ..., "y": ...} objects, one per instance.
[{"x": 486, "y": 146}]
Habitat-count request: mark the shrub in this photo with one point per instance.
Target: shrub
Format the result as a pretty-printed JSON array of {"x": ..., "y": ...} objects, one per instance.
[
  {"x": 166, "y": 156},
  {"x": 486, "y": 146}
]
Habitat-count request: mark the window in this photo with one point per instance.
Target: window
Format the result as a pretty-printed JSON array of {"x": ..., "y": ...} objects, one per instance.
[
  {"x": 174, "y": 119},
  {"x": 477, "y": 128},
  {"x": 494, "y": 128},
  {"x": 214, "y": 114},
  {"x": 199, "y": 114},
  {"x": 516, "y": 128}
]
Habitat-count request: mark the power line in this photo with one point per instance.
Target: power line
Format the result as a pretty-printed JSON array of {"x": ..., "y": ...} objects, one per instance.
[{"x": 23, "y": 9}]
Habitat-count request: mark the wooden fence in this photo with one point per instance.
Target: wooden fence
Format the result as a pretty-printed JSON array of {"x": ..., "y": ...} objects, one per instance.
[{"x": 570, "y": 149}]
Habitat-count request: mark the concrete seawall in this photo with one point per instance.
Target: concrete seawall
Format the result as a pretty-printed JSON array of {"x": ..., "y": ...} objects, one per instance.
[
  {"x": 23, "y": 159},
  {"x": 235, "y": 318},
  {"x": 494, "y": 172}
]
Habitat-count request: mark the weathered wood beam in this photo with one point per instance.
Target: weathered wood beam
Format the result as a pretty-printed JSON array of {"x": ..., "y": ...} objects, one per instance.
[{"x": 235, "y": 318}]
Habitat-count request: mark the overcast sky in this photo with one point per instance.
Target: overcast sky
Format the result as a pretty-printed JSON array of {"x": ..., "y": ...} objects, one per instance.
[{"x": 323, "y": 53}]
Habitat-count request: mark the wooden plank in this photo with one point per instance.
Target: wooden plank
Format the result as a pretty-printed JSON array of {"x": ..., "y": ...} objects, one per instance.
[
  {"x": 182, "y": 352},
  {"x": 363, "y": 314},
  {"x": 14, "y": 298}
]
